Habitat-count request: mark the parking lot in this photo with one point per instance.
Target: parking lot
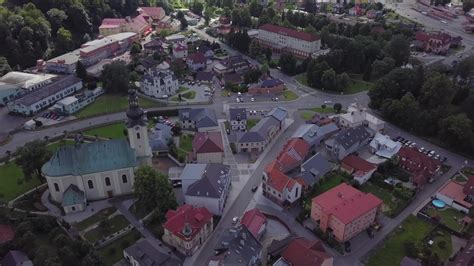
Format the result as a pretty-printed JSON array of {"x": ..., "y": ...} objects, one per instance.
[{"x": 411, "y": 144}]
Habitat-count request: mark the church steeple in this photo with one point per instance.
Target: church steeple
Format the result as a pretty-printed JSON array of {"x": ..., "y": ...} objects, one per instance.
[
  {"x": 135, "y": 114},
  {"x": 137, "y": 128}
]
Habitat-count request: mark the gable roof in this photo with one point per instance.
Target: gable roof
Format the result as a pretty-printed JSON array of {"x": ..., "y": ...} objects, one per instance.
[
  {"x": 384, "y": 146},
  {"x": 279, "y": 113},
  {"x": 293, "y": 153},
  {"x": 204, "y": 75},
  {"x": 253, "y": 219},
  {"x": 193, "y": 219},
  {"x": 276, "y": 178},
  {"x": 146, "y": 254},
  {"x": 197, "y": 58},
  {"x": 152, "y": 11},
  {"x": 346, "y": 203},
  {"x": 57, "y": 84},
  {"x": 454, "y": 191},
  {"x": 212, "y": 183},
  {"x": 317, "y": 165},
  {"x": 159, "y": 137},
  {"x": 357, "y": 165},
  {"x": 237, "y": 246},
  {"x": 16, "y": 258},
  {"x": 203, "y": 117},
  {"x": 153, "y": 44},
  {"x": 352, "y": 136},
  {"x": 232, "y": 78},
  {"x": 289, "y": 32},
  {"x": 420, "y": 165},
  {"x": 148, "y": 62},
  {"x": 269, "y": 83},
  {"x": 304, "y": 252},
  {"x": 313, "y": 134},
  {"x": 207, "y": 142},
  {"x": 237, "y": 113},
  {"x": 469, "y": 186},
  {"x": 73, "y": 196},
  {"x": 250, "y": 136},
  {"x": 93, "y": 157}
]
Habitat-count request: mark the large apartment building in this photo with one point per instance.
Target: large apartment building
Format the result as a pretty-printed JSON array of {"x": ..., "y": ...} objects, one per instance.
[{"x": 281, "y": 39}]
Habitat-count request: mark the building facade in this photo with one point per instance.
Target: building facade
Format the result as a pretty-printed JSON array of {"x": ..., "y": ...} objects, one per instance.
[
  {"x": 158, "y": 83},
  {"x": 238, "y": 119}
]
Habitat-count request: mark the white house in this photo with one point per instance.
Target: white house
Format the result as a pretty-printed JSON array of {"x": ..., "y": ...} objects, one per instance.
[
  {"x": 72, "y": 104},
  {"x": 279, "y": 187},
  {"x": 100, "y": 169},
  {"x": 180, "y": 51},
  {"x": 383, "y": 146},
  {"x": 357, "y": 116},
  {"x": 159, "y": 83},
  {"x": 238, "y": 119}
]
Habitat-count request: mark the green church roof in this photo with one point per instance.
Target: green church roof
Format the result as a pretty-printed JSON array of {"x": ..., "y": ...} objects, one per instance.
[
  {"x": 87, "y": 158},
  {"x": 73, "y": 196}
]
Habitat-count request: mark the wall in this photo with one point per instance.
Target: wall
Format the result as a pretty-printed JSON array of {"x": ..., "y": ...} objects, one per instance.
[
  {"x": 212, "y": 204},
  {"x": 211, "y": 157}
]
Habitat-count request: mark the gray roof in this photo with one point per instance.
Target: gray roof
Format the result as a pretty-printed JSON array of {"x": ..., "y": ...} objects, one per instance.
[
  {"x": 203, "y": 117},
  {"x": 148, "y": 62},
  {"x": 204, "y": 76},
  {"x": 47, "y": 90},
  {"x": 316, "y": 165},
  {"x": 73, "y": 196},
  {"x": 348, "y": 137},
  {"x": 407, "y": 261},
  {"x": 237, "y": 113},
  {"x": 212, "y": 183},
  {"x": 278, "y": 113},
  {"x": 16, "y": 258},
  {"x": 147, "y": 255},
  {"x": 87, "y": 158},
  {"x": 250, "y": 136},
  {"x": 160, "y": 137},
  {"x": 313, "y": 134},
  {"x": 238, "y": 246},
  {"x": 260, "y": 131}
]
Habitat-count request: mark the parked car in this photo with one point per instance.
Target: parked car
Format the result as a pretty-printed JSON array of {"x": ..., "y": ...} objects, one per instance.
[
  {"x": 327, "y": 102},
  {"x": 228, "y": 131},
  {"x": 252, "y": 99},
  {"x": 412, "y": 145},
  {"x": 421, "y": 149}
]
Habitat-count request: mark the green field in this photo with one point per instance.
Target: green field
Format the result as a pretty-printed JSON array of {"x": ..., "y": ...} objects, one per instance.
[
  {"x": 95, "y": 218},
  {"x": 321, "y": 110},
  {"x": 301, "y": 78},
  {"x": 288, "y": 95},
  {"x": 358, "y": 86},
  {"x": 190, "y": 95},
  {"x": 116, "y": 224},
  {"x": 448, "y": 216},
  {"x": 186, "y": 142},
  {"x": 113, "y": 252},
  {"x": 392, "y": 251},
  {"x": 331, "y": 180},
  {"x": 251, "y": 123},
  {"x": 111, "y": 103},
  {"x": 306, "y": 115},
  {"x": 112, "y": 131},
  {"x": 381, "y": 193},
  {"x": 12, "y": 182}
]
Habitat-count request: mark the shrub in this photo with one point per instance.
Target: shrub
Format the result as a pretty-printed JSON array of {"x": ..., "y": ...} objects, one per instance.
[
  {"x": 323, "y": 106},
  {"x": 112, "y": 251},
  {"x": 442, "y": 244}
]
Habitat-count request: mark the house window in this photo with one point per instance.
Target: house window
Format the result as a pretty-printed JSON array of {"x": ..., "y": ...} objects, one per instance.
[
  {"x": 107, "y": 181},
  {"x": 296, "y": 192},
  {"x": 90, "y": 184},
  {"x": 56, "y": 187},
  {"x": 138, "y": 135},
  {"x": 124, "y": 179},
  {"x": 73, "y": 208}
]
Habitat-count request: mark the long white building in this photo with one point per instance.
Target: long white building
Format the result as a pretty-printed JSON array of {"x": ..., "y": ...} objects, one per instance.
[
  {"x": 281, "y": 39},
  {"x": 157, "y": 83}
]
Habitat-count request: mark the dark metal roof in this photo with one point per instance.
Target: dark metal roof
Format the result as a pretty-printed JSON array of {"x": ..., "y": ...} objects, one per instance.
[{"x": 47, "y": 90}]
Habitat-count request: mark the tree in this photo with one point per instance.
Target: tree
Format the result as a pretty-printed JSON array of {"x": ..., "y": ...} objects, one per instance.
[
  {"x": 255, "y": 9},
  {"x": 399, "y": 49},
  {"x": 287, "y": 63},
  {"x": 135, "y": 49},
  {"x": 252, "y": 75},
  {"x": 153, "y": 190},
  {"x": 197, "y": 7},
  {"x": 268, "y": 54},
  {"x": 382, "y": 67},
  {"x": 56, "y": 18},
  {"x": 115, "y": 77},
  {"x": 328, "y": 80},
  {"x": 81, "y": 71},
  {"x": 78, "y": 19},
  {"x": 64, "y": 41},
  {"x": 4, "y": 66},
  {"x": 31, "y": 157},
  {"x": 456, "y": 130},
  {"x": 342, "y": 81},
  {"x": 337, "y": 107},
  {"x": 393, "y": 86},
  {"x": 255, "y": 49},
  {"x": 437, "y": 90}
]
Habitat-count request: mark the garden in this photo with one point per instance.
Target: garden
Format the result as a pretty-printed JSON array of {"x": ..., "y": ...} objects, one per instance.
[
  {"x": 251, "y": 123},
  {"x": 111, "y": 103},
  {"x": 112, "y": 131},
  {"x": 113, "y": 252},
  {"x": 450, "y": 217},
  {"x": 106, "y": 227},
  {"x": 97, "y": 217},
  {"x": 13, "y": 182}
]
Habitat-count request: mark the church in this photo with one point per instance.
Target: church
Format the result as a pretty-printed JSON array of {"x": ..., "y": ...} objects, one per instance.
[{"x": 97, "y": 170}]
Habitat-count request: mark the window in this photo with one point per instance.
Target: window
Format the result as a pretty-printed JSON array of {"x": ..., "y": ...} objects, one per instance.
[
  {"x": 73, "y": 208},
  {"x": 296, "y": 192},
  {"x": 90, "y": 184},
  {"x": 138, "y": 135},
  {"x": 124, "y": 178},
  {"x": 56, "y": 187},
  {"x": 107, "y": 181}
]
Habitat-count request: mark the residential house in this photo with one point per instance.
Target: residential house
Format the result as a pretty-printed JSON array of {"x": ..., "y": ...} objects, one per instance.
[
  {"x": 45, "y": 96},
  {"x": 280, "y": 39},
  {"x": 14, "y": 84},
  {"x": 452, "y": 193},
  {"x": 347, "y": 141},
  {"x": 238, "y": 119},
  {"x": 268, "y": 86},
  {"x": 143, "y": 253},
  {"x": 384, "y": 146},
  {"x": 180, "y": 51},
  {"x": 421, "y": 167},
  {"x": 356, "y": 11},
  {"x": 206, "y": 185},
  {"x": 255, "y": 221},
  {"x": 204, "y": 76},
  {"x": 314, "y": 134},
  {"x": 153, "y": 14},
  {"x": 16, "y": 258},
  {"x": 196, "y": 61},
  {"x": 359, "y": 168},
  {"x": 357, "y": 116},
  {"x": 208, "y": 147},
  {"x": 279, "y": 187},
  {"x": 343, "y": 211},
  {"x": 279, "y": 113},
  {"x": 232, "y": 79},
  {"x": 146, "y": 63},
  {"x": 312, "y": 170},
  {"x": 373, "y": 14},
  {"x": 6, "y": 233},
  {"x": 320, "y": 120},
  {"x": 237, "y": 246},
  {"x": 187, "y": 228},
  {"x": 304, "y": 252},
  {"x": 231, "y": 64},
  {"x": 176, "y": 39},
  {"x": 206, "y": 50},
  {"x": 436, "y": 42},
  {"x": 199, "y": 119},
  {"x": 160, "y": 137},
  {"x": 155, "y": 45},
  {"x": 469, "y": 189},
  {"x": 158, "y": 83},
  {"x": 464, "y": 256},
  {"x": 293, "y": 154}
]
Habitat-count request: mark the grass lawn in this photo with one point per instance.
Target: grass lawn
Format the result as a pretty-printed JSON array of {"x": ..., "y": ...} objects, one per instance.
[
  {"x": 384, "y": 195},
  {"x": 112, "y": 253},
  {"x": 182, "y": 89},
  {"x": 251, "y": 123},
  {"x": 95, "y": 218},
  {"x": 116, "y": 224},
  {"x": 330, "y": 182},
  {"x": 111, "y": 103},
  {"x": 459, "y": 178},
  {"x": 12, "y": 183},
  {"x": 186, "y": 142},
  {"x": 189, "y": 95},
  {"x": 112, "y": 131},
  {"x": 54, "y": 146},
  {"x": 306, "y": 115},
  {"x": 288, "y": 95},
  {"x": 322, "y": 110},
  {"x": 448, "y": 216},
  {"x": 443, "y": 253},
  {"x": 392, "y": 252},
  {"x": 301, "y": 78},
  {"x": 358, "y": 86}
]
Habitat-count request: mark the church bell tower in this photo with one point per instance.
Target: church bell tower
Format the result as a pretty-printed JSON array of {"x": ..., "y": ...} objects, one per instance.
[{"x": 137, "y": 128}]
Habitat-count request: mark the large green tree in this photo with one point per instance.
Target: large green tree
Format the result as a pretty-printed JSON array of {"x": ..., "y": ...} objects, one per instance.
[
  {"x": 399, "y": 49},
  {"x": 287, "y": 63},
  {"x": 31, "y": 157},
  {"x": 115, "y": 77},
  {"x": 457, "y": 131},
  {"x": 437, "y": 90}
]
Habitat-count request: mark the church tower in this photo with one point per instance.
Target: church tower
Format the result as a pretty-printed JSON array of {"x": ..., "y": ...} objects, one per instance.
[{"x": 137, "y": 127}]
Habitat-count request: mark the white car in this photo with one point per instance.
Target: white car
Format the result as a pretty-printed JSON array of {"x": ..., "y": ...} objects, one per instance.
[
  {"x": 444, "y": 21},
  {"x": 164, "y": 96},
  {"x": 238, "y": 100},
  {"x": 252, "y": 99},
  {"x": 327, "y": 102},
  {"x": 235, "y": 220}
]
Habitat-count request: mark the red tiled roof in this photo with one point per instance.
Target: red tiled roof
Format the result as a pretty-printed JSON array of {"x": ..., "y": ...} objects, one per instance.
[
  {"x": 293, "y": 154},
  {"x": 290, "y": 32},
  {"x": 179, "y": 48},
  {"x": 469, "y": 186},
  {"x": 197, "y": 58},
  {"x": 357, "y": 164},
  {"x": 254, "y": 220},
  {"x": 276, "y": 179},
  {"x": 454, "y": 190},
  {"x": 304, "y": 252},
  {"x": 6, "y": 233},
  {"x": 346, "y": 203},
  {"x": 196, "y": 218},
  {"x": 420, "y": 165},
  {"x": 151, "y": 11},
  {"x": 206, "y": 142},
  {"x": 135, "y": 24}
]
